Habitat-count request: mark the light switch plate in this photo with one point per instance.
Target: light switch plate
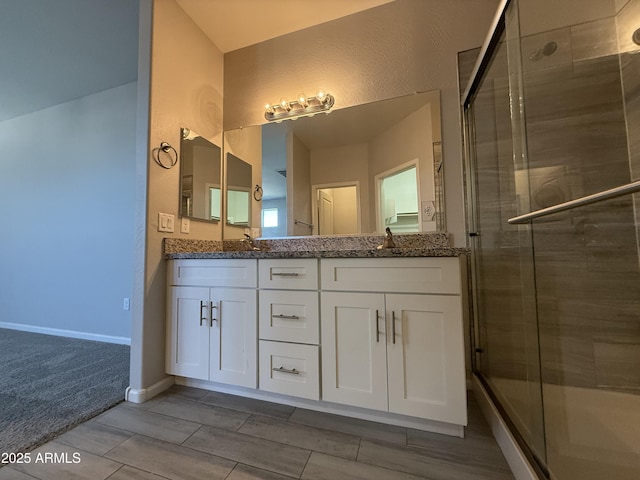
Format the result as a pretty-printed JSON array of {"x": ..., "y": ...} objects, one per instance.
[{"x": 165, "y": 222}]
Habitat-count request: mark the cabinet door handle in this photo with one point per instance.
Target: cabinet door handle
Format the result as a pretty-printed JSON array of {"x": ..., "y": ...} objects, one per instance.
[
  {"x": 285, "y": 274},
  {"x": 377, "y": 327},
  {"x": 203, "y": 318},
  {"x": 291, "y": 317},
  {"x": 213, "y": 318},
  {"x": 393, "y": 326},
  {"x": 285, "y": 370}
]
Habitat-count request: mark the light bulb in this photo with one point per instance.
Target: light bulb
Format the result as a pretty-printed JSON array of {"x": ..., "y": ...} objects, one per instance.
[
  {"x": 321, "y": 96},
  {"x": 269, "y": 109},
  {"x": 302, "y": 100},
  {"x": 284, "y": 103}
]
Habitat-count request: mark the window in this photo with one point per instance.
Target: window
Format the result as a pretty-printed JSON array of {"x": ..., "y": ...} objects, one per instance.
[
  {"x": 269, "y": 217},
  {"x": 398, "y": 199}
]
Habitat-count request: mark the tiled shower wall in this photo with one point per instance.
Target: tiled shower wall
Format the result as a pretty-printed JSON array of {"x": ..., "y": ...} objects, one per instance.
[{"x": 586, "y": 260}]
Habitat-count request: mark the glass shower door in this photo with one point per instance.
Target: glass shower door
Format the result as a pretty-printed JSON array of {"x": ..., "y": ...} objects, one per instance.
[{"x": 507, "y": 344}]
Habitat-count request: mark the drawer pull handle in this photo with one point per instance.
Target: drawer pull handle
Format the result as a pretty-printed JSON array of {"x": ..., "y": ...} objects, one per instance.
[
  {"x": 286, "y": 370},
  {"x": 393, "y": 326},
  {"x": 377, "y": 327},
  {"x": 291, "y": 317},
  {"x": 285, "y": 274},
  {"x": 213, "y": 317},
  {"x": 202, "y": 318}
]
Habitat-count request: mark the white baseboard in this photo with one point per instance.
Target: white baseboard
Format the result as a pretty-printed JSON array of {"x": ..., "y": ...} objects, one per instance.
[
  {"x": 66, "y": 333},
  {"x": 328, "y": 407},
  {"x": 518, "y": 462},
  {"x": 135, "y": 395}
]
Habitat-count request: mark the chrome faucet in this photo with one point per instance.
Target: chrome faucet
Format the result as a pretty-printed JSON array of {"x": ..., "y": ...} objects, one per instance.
[
  {"x": 388, "y": 240},
  {"x": 251, "y": 243}
]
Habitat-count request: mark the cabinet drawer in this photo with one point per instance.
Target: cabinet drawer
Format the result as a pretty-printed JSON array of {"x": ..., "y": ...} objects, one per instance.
[
  {"x": 409, "y": 275},
  {"x": 213, "y": 273},
  {"x": 289, "y": 316},
  {"x": 290, "y": 369},
  {"x": 290, "y": 274}
]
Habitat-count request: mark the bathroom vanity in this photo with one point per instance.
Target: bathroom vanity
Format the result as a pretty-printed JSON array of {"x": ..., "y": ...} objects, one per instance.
[{"x": 377, "y": 337}]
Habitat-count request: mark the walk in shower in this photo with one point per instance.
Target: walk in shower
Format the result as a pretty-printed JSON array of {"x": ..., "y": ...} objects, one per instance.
[{"x": 552, "y": 136}]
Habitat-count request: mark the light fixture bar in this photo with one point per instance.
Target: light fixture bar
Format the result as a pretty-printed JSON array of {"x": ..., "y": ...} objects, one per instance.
[{"x": 300, "y": 107}]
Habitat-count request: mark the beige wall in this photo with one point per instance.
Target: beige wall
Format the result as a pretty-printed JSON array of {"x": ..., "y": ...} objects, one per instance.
[
  {"x": 186, "y": 90},
  {"x": 299, "y": 184},
  {"x": 345, "y": 218},
  {"x": 395, "y": 49}
]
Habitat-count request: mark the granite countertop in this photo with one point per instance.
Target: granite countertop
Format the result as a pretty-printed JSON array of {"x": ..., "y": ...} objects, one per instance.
[
  {"x": 383, "y": 253},
  {"x": 362, "y": 246}
]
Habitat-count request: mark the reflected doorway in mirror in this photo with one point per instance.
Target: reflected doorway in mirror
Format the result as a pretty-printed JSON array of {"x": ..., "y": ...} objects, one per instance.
[{"x": 335, "y": 209}]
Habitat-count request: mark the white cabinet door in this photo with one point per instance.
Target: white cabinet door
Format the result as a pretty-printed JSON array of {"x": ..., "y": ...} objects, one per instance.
[
  {"x": 426, "y": 362},
  {"x": 188, "y": 332},
  {"x": 354, "y": 364},
  {"x": 234, "y": 337}
]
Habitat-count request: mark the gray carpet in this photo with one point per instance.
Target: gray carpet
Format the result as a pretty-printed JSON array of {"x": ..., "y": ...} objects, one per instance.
[{"x": 49, "y": 384}]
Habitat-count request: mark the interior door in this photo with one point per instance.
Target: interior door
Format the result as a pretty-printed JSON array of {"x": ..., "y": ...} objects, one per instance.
[{"x": 325, "y": 213}]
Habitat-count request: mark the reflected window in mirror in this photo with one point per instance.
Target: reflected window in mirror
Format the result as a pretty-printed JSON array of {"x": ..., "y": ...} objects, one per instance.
[
  {"x": 200, "y": 177},
  {"x": 270, "y": 218},
  {"x": 238, "y": 191},
  {"x": 215, "y": 198},
  {"x": 398, "y": 203}
]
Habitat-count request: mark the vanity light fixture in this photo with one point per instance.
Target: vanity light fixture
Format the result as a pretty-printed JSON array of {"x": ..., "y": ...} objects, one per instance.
[{"x": 300, "y": 107}]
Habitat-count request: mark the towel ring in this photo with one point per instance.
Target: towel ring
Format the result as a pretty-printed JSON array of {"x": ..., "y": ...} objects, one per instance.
[
  {"x": 166, "y": 148},
  {"x": 257, "y": 193}
]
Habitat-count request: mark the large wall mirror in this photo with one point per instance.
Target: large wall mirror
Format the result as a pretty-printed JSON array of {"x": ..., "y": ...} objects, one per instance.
[
  {"x": 200, "y": 174},
  {"x": 356, "y": 170}
]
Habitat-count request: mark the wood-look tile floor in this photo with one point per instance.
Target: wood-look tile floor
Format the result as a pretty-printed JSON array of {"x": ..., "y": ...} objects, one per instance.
[{"x": 188, "y": 433}]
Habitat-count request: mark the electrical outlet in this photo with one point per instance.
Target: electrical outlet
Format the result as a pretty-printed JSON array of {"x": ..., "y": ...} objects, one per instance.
[
  {"x": 125, "y": 304},
  {"x": 185, "y": 225}
]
